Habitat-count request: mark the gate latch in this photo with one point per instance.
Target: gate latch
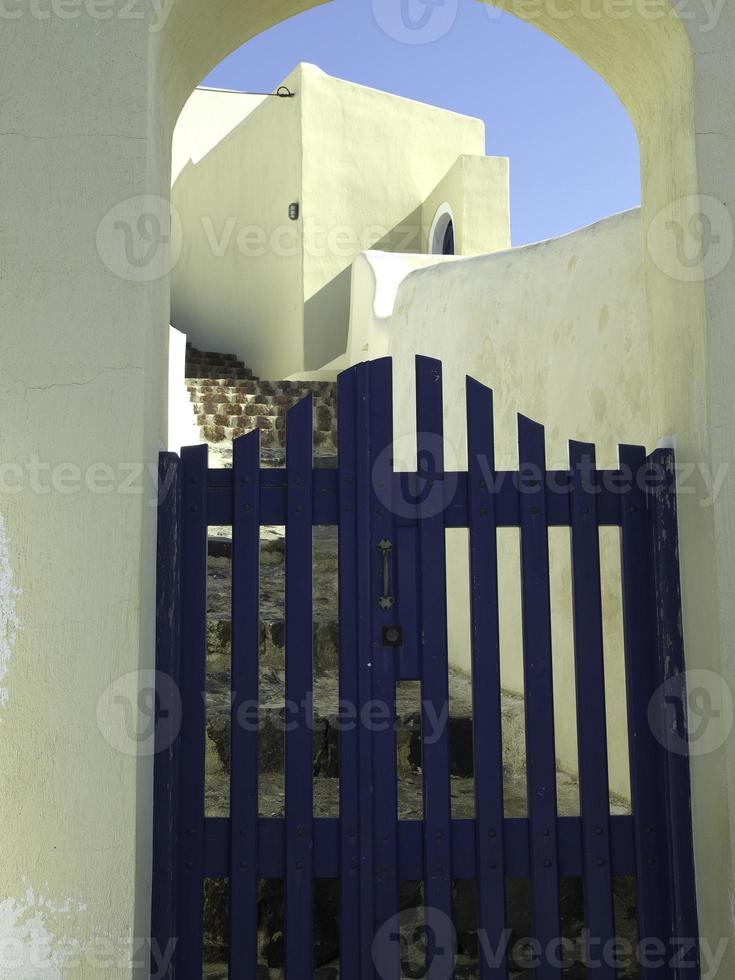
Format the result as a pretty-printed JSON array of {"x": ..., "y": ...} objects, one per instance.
[{"x": 386, "y": 601}]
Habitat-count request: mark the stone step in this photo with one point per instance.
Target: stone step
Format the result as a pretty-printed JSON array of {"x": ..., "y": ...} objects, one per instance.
[
  {"x": 323, "y": 388},
  {"x": 228, "y": 416},
  {"x": 275, "y": 401},
  {"x": 212, "y": 371},
  {"x": 325, "y": 443},
  {"x": 324, "y": 415},
  {"x": 272, "y": 455},
  {"x": 197, "y": 360}
]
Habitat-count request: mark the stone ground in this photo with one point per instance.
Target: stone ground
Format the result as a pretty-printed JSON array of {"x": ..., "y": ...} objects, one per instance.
[{"x": 228, "y": 402}]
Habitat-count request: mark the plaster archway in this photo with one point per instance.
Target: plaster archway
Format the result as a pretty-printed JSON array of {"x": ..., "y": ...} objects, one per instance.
[{"x": 649, "y": 62}]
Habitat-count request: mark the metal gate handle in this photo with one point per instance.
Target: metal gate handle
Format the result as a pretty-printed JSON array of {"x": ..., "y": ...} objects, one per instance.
[{"x": 386, "y": 601}]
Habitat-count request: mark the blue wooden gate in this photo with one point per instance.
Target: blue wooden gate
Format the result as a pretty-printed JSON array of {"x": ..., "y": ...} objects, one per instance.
[{"x": 393, "y": 624}]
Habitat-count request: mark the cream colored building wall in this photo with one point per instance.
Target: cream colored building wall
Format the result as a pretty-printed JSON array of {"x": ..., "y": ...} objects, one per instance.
[
  {"x": 208, "y": 116},
  {"x": 360, "y": 164},
  {"x": 477, "y": 191},
  {"x": 83, "y": 364},
  {"x": 560, "y": 331},
  {"x": 370, "y": 160},
  {"x": 238, "y": 284}
]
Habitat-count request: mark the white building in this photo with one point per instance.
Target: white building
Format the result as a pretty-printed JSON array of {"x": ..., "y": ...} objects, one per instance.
[{"x": 279, "y": 195}]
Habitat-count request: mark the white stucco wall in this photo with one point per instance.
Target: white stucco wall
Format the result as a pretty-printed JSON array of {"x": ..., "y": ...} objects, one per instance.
[
  {"x": 238, "y": 284},
  {"x": 360, "y": 164},
  {"x": 370, "y": 161},
  {"x": 559, "y": 330},
  {"x": 376, "y": 278}
]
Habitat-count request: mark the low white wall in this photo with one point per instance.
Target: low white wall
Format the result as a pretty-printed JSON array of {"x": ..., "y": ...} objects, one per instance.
[
  {"x": 559, "y": 331},
  {"x": 376, "y": 278}
]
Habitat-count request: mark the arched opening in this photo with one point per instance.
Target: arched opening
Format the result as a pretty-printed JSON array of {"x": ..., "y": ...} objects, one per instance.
[
  {"x": 442, "y": 233},
  {"x": 441, "y": 236}
]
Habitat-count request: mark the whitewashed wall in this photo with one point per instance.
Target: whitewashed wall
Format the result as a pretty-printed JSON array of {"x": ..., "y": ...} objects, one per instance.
[{"x": 559, "y": 330}]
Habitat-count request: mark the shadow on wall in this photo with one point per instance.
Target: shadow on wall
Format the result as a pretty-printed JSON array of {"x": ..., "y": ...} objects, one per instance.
[{"x": 327, "y": 312}]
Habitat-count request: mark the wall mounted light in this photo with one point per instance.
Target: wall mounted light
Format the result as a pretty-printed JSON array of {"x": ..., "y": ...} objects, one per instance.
[{"x": 293, "y": 211}]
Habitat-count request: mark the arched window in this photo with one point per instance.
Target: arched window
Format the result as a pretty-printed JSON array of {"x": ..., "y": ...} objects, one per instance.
[{"x": 441, "y": 236}]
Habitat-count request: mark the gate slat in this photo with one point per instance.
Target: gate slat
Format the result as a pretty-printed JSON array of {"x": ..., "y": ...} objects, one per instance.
[
  {"x": 646, "y": 784},
  {"x": 539, "y": 694},
  {"x": 594, "y": 790},
  {"x": 434, "y": 662},
  {"x": 384, "y": 658},
  {"x": 167, "y": 746},
  {"x": 364, "y": 665},
  {"x": 299, "y": 883},
  {"x": 349, "y": 755},
  {"x": 486, "y": 699},
  {"x": 407, "y": 558},
  {"x": 683, "y": 915},
  {"x": 244, "y": 712},
  {"x": 193, "y": 683}
]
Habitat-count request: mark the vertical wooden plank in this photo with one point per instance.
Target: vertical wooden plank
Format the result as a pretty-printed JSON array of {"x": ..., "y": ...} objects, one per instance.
[
  {"x": 646, "y": 782},
  {"x": 406, "y": 554},
  {"x": 193, "y": 683},
  {"x": 684, "y": 920},
  {"x": 539, "y": 695},
  {"x": 363, "y": 476},
  {"x": 434, "y": 664},
  {"x": 299, "y": 884},
  {"x": 594, "y": 789},
  {"x": 244, "y": 711},
  {"x": 168, "y": 613},
  {"x": 486, "y": 699},
  {"x": 384, "y": 658},
  {"x": 349, "y": 774}
]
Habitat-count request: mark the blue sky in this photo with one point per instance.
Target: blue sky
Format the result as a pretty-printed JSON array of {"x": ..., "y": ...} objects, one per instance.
[{"x": 572, "y": 147}]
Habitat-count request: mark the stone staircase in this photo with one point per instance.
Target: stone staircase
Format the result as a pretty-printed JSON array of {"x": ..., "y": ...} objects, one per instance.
[{"x": 229, "y": 401}]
